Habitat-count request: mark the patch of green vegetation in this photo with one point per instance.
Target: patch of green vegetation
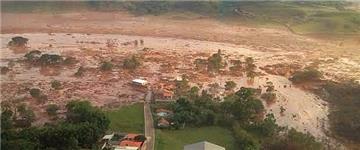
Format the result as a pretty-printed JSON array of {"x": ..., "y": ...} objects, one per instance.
[
  {"x": 177, "y": 139},
  {"x": 345, "y": 116},
  {"x": 127, "y": 119},
  {"x": 301, "y": 17}
]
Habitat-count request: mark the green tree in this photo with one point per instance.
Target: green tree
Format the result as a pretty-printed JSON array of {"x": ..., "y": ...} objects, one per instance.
[
  {"x": 27, "y": 116},
  {"x": 33, "y": 55},
  {"x": 18, "y": 41},
  {"x": 106, "y": 66},
  {"x": 52, "y": 109},
  {"x": 6, "y": 119},
  {"x": 50, "y": 59},
  {"x": 55, "y": 84},
  {"x": 295, "y": 140},
  {"x": 131, "y": 63},
  {"x": 309, "y": 74},
  {"x": 82, "y": 111},
  {"x": 245, "y": 140},
  {"x": 215, "y": 62},
  {"x": 35, "y": 92},
  {"x": 230, "y": 85}
]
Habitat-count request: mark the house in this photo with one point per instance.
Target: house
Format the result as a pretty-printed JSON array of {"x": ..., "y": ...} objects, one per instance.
[
  {"x": 140, "y": 82},
  {"x": 204, "y": 145},
  {"x": 129, "y": 143},
  {"x": 163, "y": 123},
  {"x": 163, "y": 112}
]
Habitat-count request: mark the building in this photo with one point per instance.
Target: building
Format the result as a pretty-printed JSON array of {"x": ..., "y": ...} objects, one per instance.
[
  {"x": 140, "y": 82},
  {"x": 163, "y": 123},
  {"x": 204, "y": 145}
]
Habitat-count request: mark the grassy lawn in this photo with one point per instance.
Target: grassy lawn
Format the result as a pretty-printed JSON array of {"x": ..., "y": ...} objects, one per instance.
[
  {"x": 176, "y": 139},
  {"x": 127, "y": 119}
]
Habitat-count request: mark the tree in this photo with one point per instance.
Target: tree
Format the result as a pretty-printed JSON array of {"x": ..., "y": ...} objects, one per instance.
[
  {"x": 266, "y": 127},
  {"x": 55, "y": 84},
  {"x": 52, "y": 109},
  {"x": 245, "y": 140},
  {"x": 6, "y": 119},
  {"x": 106, "y": 66},
  {"x": 131, "y": 63},
  {"x": 230, "y": 85},
  {"x": 215, "y": 62},
  {"x": 27, "y": 116},
  {"x": 182, "y": 87},
  {"x": 250, "y": 67},
  {"x": 82, "y": 111},
  {"x": 295, "y": 140},
  {"x": 33, "y": 55},
  {"x": 50, "y": 59},
  {"x": 214, "y": 88},
  {"x": 309, "y": 74},
  {"x": 35, "y": 92},
  {"x": 18, "y": 41},
  {"x": 193, "y": 92}
]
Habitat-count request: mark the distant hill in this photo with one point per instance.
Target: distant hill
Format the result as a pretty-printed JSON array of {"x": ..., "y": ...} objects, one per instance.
[{"x": 321, "y": 17}]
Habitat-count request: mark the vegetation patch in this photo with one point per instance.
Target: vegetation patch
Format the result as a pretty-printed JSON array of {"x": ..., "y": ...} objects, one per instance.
[{"x": 127, "y": 119}]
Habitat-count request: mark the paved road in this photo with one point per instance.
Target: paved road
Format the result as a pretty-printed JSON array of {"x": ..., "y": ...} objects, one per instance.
[{"x": 149, "y": 125}]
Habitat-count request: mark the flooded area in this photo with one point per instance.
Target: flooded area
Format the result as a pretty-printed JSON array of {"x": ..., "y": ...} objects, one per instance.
[{"x": 303, "y": 110}]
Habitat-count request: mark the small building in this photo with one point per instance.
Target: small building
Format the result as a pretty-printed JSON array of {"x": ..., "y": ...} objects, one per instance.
[
  {"x": 163, "y": 123},
  {"x": 204, "y": 145},
  {"x": 140, "y": 82},
  {"x": 129, "y": 145},
  {"x": 163, "y": 112}
]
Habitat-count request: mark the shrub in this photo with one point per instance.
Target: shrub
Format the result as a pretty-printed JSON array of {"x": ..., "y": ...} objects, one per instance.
[
  {"x": 4, "y": 70},
  {"x": 33, "y": 55},
  {"x": 131, "y": 63},
  {"x": 18, "y": 41},
  {"x": 269, "y": 97},
  {"x": 80, "y": 71},
  {"x": 230, "y": 85},
  {"x": 50, "y": 59},
  {"x": 34, "y": 92},
  {"x": 106, "y": 66},
  {"x": 56, "y": 84},
  {"x": 52, "y": 109},
  {"x": 307, "y": 75},
  {"x": 70, "y": 61}
]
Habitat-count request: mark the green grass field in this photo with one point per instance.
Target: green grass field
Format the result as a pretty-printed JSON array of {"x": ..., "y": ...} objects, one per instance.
[
  {"x": 176, "y": 139},
  {"x": 127, "y": 119}
]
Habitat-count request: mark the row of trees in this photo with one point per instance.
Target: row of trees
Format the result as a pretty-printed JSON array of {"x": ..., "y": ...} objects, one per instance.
[
  {"x": 83, "y": 126},
  {"x": 216, "y": 62},
  {"x": 36, "y": 57},
  {"x": 129, "y": 63}
]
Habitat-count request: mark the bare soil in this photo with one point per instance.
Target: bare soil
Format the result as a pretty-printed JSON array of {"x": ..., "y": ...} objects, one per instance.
[{"x": 171, "y": 45}]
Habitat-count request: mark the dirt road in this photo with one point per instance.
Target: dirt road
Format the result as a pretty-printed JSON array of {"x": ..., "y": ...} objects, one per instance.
[{"x": 149, "y": 123}]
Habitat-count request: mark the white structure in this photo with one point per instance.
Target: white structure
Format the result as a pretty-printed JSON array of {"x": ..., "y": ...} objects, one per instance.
[
  {"x": 140, "y": 82},
  {"x": 203, "y": 146}
]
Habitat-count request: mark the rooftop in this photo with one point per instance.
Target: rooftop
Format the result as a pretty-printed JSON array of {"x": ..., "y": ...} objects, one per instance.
[{"x": 204, "y": 145}]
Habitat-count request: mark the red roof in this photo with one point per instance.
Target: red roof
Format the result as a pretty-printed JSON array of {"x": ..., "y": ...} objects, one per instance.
[{"x": 130, "y": 143}]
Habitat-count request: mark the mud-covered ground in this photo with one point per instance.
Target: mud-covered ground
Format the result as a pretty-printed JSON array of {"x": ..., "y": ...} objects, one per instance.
[
  {"x": 304, "y": 111},
  {"x": 172, "y": 41}
]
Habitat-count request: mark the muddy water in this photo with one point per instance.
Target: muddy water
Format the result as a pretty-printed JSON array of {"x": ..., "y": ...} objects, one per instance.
[{"x": 304, "y": 111}]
